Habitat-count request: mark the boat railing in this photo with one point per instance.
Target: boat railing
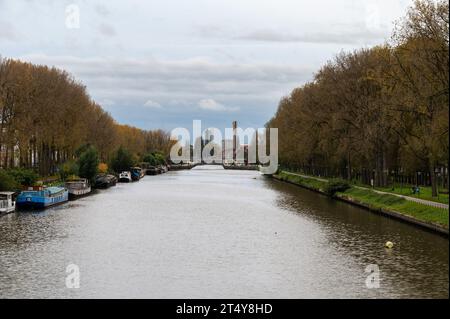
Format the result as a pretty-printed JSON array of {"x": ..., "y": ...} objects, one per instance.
[
  {"x": 34, "y": 193},
  {"x": 76, "y": 186},
  {"x": 6, "y": 203}
]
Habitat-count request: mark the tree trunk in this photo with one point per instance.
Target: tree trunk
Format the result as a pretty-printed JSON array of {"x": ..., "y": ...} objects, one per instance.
[
  {"x": 349, "y": 167},
  {"x": 448, "y": 178},
  {"x": 434, "y": 190}
]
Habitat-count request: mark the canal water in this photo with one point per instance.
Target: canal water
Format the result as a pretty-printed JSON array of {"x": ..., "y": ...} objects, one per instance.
[{"x": 211, "y": 233}]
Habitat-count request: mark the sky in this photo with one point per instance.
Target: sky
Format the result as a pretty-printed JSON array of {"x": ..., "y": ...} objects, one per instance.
[{"x": 163, "y": 64}]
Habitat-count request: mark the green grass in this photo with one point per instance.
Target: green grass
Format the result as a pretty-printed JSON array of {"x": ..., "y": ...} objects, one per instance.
[
  {"x": 400, "y": 205},
  {"x": 377, "y": 201},
  {"x": 306, "y": 182},
  {"x": 425, "y": 193}
]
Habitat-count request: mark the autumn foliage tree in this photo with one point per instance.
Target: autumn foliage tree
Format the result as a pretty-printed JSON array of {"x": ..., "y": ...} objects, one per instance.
[
  {"x": 46, "y": 115},
  {"x": 379, "y": 113}
]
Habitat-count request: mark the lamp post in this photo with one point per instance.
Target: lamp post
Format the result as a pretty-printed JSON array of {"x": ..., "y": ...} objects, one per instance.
[{"x": 438, "y": 175}]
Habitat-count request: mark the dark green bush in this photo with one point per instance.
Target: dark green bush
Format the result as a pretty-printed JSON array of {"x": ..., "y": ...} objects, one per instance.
[
  {"x": 23, "y": 176},
  {"x": 88, "y": 163},
  {"x": 154, "y": 159},
  {"x": 336, "y": 185},
  {"x": 122, "y": 160},
  {"x": 7, "y": 182}
]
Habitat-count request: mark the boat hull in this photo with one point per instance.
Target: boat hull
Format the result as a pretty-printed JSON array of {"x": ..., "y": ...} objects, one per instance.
[
  {"x": 74, "y": 194},
  {"x": 105, "y": 182},
  {"x": 41, "y": 202},
  {"x": 7, "y": 210},
  {"x": 103, "y": 185}
]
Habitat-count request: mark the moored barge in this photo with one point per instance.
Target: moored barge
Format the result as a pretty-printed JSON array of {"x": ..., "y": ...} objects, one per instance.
[
  {"x": 78, "y": 188},
  {"x": 105, "y": 181},
  {"x": 42, "y": 197}
]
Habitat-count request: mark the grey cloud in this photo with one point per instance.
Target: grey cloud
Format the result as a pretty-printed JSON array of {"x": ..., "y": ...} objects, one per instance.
[
  {"x": 343, "y": 34},
  {"x": 179, "y": 85},
  {"x": 107, "y": 30},
  {"x": 352, "y": 37}
]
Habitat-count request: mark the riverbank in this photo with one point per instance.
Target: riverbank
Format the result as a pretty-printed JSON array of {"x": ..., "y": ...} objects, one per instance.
[{"x": 431, "y": 218}]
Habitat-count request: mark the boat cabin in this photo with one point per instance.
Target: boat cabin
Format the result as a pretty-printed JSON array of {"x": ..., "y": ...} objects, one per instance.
[{"x": 7, "y": 203}]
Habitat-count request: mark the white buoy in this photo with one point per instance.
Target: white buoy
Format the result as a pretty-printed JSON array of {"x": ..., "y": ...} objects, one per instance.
[{"x": 389, "y": 245}]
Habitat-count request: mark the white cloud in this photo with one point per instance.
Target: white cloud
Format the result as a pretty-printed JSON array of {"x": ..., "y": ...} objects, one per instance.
[
  {"x": 7, "y": 31},
  {"x": 152, "y": 104},
  {"x": 102, "y": 10},
  {"x": 107, "y": 102},
  {"x": 212, "y": 105}
]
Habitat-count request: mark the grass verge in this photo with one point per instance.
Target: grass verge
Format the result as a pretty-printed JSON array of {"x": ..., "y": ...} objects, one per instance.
[
  {"x": 390, "y": 202},
  {"x": 310, "y": 183},
  {"x": 376, "y": 201},
  {"x": 425, "y": 193}
]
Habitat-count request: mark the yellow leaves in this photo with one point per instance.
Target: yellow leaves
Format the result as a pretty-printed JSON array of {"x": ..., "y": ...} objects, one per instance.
[{"x": 102, "y": 168}]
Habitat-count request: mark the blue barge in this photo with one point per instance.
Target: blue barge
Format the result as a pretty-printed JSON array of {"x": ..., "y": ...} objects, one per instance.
[{"x": 42, "y": 198}]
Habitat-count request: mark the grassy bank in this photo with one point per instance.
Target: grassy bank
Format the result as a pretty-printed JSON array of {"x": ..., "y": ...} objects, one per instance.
[
  {"x": 309, "y": 183},
  {"x": 375, "y": 201},
  {"x": 425, "y": 193},
  {"x": 397, "y": 204}
]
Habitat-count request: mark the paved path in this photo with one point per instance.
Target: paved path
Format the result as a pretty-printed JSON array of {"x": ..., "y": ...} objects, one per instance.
[{"x": 412, "y": 199}]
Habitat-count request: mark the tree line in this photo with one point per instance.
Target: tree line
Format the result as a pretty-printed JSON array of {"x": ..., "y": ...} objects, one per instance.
[
  {"x": 376, "y": 114},
  {"x": 46, "y": 116}
]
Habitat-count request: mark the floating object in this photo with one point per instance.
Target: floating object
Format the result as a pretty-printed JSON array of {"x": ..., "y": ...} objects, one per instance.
[
  {"x": 136, "y": 173},
  {"x": 125, "y": 177},
  {"x": 7, "y": 204},
  {"x": 162, "y": 169},
  {"x": 77, "y": 188},
  {"x": 42, "y": 198},
  {"x": 152, "y": 170},
  {"x": 389, "y": 245},
  {"x": 105, "y": 181}
]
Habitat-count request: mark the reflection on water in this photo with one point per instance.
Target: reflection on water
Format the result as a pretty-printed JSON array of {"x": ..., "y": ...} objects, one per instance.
[{"x": 211, "y": 233}]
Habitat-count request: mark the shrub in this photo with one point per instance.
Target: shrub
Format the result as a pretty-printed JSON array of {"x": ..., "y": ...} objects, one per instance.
[
  {"x": 155, "y": 159},
  {"x": 23, "y": 176},
  {"x": 122, "y": 160},
  {"x": 7, "y": 182},
  {"x": 88, "y": 163},
  {"x": 67, "y": 169},
  {"x": 335, "y": 186}
]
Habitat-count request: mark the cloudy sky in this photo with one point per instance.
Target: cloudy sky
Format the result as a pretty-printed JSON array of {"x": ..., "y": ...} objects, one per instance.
[{"x": 162, "y": 64}]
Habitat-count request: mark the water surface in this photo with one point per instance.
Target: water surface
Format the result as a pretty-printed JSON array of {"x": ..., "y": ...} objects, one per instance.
[{"x": 211, "y": 233}]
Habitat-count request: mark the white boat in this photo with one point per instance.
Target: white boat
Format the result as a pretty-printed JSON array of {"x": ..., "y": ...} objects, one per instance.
[
  {"x": 125, "y": 177},
  {"x": 78, "y": 188},
  {"x": 7, "y": 204}
]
